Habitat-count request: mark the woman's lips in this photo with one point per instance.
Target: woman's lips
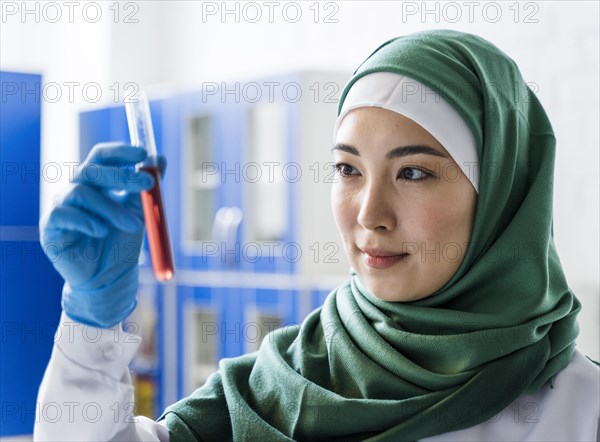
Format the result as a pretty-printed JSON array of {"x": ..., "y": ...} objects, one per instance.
[{"x": 380, "y": 259}]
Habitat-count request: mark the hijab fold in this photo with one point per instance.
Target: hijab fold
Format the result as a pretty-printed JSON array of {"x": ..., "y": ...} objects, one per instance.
[{"x": 359, "y": 368}]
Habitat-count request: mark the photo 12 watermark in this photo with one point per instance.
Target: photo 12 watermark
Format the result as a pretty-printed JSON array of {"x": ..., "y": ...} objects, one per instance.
[
  {"x": 52, "y": 412},
  {"x": 270, "y": 12},
  {"x": 269, "y": 92},
  {"x": 25, "y": 332},
  {"x": 69, "y": 12},
  {"x": 53, "y": 92},
  {"x": 469, "y": 12}
]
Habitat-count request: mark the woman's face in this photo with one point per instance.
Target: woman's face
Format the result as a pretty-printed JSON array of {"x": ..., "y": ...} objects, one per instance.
[{"x": 402, "y": 205}]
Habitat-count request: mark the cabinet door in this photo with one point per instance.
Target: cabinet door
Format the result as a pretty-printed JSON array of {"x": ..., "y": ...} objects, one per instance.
[
  {"x": 200, "y": 344},
  {"x": 210, "y": 197},
  {"x": 264, "y": 310},
  {"x": 268, "y": 202},
  {"x": 30, "y": 288},
  {"x": 271, "y": 174},
  {"x": 225, "y": 322}
]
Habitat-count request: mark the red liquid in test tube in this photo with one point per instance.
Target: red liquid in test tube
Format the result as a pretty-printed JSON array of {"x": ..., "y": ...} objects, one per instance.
[{"x": 156, "y": 227}]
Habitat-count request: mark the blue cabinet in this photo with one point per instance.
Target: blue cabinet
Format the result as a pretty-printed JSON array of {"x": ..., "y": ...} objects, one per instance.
[
  {"x": 30, "y": 288},
  {"x": 224, "y": 321},
  {"x": 241, "y": 154}
]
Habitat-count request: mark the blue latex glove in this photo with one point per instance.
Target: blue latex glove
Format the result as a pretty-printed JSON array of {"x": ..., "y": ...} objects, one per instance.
[{"x": 94, "y": 233}]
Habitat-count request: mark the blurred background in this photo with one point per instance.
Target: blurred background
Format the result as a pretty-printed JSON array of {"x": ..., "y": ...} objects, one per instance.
[{"x": 243, "y": 100}]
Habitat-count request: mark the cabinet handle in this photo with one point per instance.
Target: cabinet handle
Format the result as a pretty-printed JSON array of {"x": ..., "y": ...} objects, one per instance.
[{"x": 225, "y": 228}]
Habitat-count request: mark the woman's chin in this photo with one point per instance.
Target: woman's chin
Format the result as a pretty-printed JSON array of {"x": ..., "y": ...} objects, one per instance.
[{"x": 393, "y": 292}]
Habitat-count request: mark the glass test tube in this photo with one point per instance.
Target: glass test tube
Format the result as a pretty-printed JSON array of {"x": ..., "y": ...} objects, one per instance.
[{"x": 142, "y": 135}]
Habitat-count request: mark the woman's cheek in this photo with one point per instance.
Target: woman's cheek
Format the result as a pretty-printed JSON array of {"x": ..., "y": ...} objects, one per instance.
[
  {"x": 342, "y": 210},
  {"x": 429, "y": 222},
  {"x": 432, "y": 229}
]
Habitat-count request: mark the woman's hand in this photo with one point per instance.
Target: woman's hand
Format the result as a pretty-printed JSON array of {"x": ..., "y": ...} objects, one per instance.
[{"x": 93, "y": 234}]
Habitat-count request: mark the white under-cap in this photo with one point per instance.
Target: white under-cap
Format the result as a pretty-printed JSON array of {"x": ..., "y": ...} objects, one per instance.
[{"x": 425, "y": 107}]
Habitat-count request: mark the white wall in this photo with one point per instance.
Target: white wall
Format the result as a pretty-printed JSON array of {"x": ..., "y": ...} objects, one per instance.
[{"x": 174, "y": 43}]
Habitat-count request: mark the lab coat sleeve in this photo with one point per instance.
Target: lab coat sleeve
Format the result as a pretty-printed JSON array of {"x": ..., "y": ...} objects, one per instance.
[{"x": 86, "y": 393}]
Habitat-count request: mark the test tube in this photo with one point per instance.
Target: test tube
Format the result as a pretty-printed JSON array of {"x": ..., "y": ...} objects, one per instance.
[{"x": 142, "y": 135}]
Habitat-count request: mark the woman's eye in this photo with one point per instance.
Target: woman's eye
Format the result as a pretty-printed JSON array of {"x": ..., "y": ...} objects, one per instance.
[
  {"x": 412, "y": 174},
  {"x": 344, "y": 169}
]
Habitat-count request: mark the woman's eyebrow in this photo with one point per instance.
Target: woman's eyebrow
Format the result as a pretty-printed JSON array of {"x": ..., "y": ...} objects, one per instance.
[{"x": 402, "y": 151}]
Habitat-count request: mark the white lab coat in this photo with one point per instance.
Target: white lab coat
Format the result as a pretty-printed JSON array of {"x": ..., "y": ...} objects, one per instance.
[{"x": 86, "y": 394}]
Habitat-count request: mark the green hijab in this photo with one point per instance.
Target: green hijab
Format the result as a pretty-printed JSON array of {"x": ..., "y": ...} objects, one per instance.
[{"x": 360, "y": 368}]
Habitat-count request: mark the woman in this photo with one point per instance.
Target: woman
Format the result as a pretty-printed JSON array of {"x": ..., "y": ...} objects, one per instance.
[{"x": 457, "y": 322}]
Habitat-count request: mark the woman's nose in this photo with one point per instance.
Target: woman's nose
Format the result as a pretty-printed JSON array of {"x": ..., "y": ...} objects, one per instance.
[{"x": 376, "y": 210}]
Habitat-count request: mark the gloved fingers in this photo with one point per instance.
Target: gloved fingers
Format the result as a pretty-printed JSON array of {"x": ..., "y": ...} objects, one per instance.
[
  {"x": 75, "y": 219},
  {"x": 116, "y": 153},
  {"x": 111, "y": 166},
  {"x": 114, "y": 177},
  {"x": 97, "y": 203}
]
